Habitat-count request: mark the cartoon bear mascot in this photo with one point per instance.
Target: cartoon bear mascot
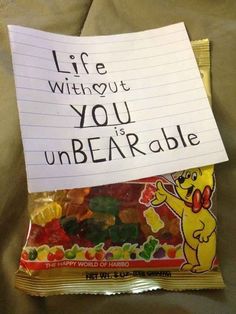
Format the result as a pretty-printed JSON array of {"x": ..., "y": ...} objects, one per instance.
[{"x": 192, "y": 203}]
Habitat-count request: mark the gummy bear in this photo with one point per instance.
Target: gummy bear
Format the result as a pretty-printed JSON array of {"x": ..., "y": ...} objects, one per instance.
[
  {"x": 153, "y": 219},
  {"x": 129, "y": 215},
  {"x": 104, "y": 204},
  {"x": 171, "y": 232},
  {"x": 147, "y": 194},
  {"x": 43, "y": 214},
  {"x": 78, "y": 195},
  {"x": 123, "y": 233},
  {"x": 149, "y": 248}
]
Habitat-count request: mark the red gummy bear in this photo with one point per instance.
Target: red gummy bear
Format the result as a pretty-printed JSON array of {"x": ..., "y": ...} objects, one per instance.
[
  {"x": 147, "y": 194},
  {"x": 51, "y": 234}
]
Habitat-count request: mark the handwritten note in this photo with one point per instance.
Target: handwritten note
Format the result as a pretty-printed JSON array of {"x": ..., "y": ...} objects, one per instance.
[{"x": 107, "y": 109}]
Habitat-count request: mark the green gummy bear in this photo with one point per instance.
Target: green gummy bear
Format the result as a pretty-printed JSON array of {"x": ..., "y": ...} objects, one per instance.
[
  {"x": 145, "y": 255},
  {"x": 70, "y": 225},
  {"x": 104, "y": 204},
  {"x": 148, "y": 247},
  {"x": 153, "y": 242},
  {"x": 123, "y": 232}
]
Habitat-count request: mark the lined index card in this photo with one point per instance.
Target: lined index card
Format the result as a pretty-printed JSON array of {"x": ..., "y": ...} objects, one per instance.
[{"x": 107, "y": 109}]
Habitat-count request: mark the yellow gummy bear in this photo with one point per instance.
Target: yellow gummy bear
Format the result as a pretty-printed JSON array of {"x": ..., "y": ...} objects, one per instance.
[
  {"x": 46, "y": 213},
  {"x": 153, "y": 219}
]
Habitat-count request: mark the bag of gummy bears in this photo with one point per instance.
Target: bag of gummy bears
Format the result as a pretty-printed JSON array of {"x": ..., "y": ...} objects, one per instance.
[{"x": 153, "y": 233}]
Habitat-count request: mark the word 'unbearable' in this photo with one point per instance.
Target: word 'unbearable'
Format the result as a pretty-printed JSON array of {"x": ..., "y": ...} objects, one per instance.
[{"x": 89, "y": 150}]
